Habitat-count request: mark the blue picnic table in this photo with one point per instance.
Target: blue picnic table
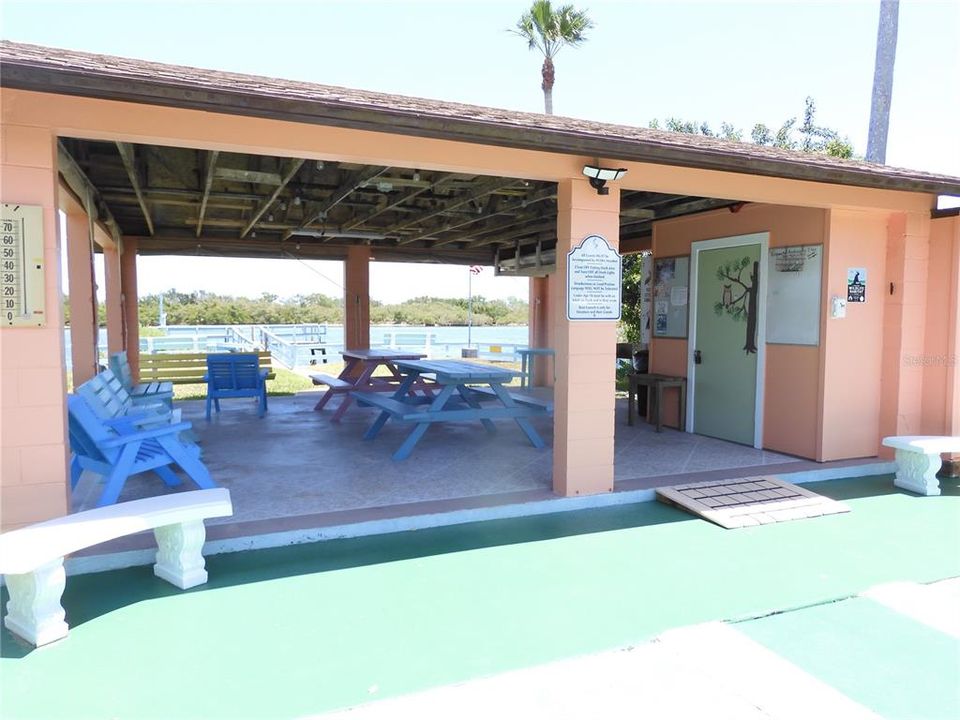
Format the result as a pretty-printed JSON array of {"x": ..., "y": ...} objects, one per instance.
[{"x": 462, "y": 387}]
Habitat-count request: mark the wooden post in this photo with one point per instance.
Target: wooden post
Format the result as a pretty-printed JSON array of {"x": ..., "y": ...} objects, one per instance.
[
  {"x": 114, "y": 300},
  {"x": 83, "y": 299},
  {"x": 131, "y": 309}
]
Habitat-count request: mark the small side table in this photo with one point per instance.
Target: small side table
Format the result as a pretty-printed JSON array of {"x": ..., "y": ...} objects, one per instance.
[
  {"x": 657, "y": 383},
  {"x": 527, "y": 358}
]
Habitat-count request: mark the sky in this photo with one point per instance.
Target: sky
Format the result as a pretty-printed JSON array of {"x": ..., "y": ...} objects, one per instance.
[{"x": 708, "y": 61}]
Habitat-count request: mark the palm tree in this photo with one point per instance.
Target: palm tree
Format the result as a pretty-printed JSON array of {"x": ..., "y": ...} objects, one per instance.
[
  {"x": 883, "y": 81},
  {"x": 548, "y": 30}
]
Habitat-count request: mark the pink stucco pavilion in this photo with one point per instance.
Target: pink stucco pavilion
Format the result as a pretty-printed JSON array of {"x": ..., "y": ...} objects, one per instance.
[{"x": 871, "y": 373}]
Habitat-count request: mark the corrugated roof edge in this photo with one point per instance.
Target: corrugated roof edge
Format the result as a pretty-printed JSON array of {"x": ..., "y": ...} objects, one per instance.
[{"x": 55, "y": 70}]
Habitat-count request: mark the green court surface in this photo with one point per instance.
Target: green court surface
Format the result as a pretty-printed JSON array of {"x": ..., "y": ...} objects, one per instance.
[
  {"x": 295, "y": 631},
  {"x": 895, "y": 666}
]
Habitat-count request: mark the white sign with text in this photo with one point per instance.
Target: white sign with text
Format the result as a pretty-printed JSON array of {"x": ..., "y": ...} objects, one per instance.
[{"x": 593, "y": 281}]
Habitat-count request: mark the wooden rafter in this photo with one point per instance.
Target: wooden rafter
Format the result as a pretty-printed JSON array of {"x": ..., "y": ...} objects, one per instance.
[
  {"x": 351, "y": 183},
  {"x": 480, "y": 190},
  {"x": 82, "y": 187},
  {"x": 265, "y": 205},
  {"x": 130, "y": 165},
  {"x": 207, "y": 184},
  {"x": 406, "y": 197},
  {"x": 540, "y": 196}
]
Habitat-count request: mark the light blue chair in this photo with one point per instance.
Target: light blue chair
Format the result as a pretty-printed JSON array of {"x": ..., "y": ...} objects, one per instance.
[
  {"x": 120, "y": 447},
  {"x": 147, "y": 393},
  {"x": 233, "y": 375}
]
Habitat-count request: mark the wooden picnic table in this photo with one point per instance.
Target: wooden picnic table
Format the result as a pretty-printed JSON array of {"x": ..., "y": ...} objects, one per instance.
[
  {"x": 455, "y": 401},
  {"x": 357, "y": 374}
]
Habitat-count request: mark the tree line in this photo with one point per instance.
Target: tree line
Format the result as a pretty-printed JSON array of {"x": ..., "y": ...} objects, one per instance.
[{"x": 203, "y": 308}]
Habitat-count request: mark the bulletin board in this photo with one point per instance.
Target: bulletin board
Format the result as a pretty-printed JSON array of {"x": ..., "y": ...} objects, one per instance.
[
  {"x": 793, "y": 295},
  {"x": 671, "y": 293}
]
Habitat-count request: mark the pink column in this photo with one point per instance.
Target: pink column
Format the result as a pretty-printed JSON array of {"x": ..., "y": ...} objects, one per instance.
[
  {"x": 586, "y": 353},
  {"x": 83, "y": 299},
  {"x": 114, "y": 300},
  {"x": 539, "y": 329},
  {"x": 131, "y": 311},
  {"x": 356, "y": 298},
  {"x": 904, "y": 324},
  {"x": 33, "y": 446}
]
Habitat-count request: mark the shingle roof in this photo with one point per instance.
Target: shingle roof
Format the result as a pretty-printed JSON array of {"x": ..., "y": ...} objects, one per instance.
[{"x": 46, "y": 69}]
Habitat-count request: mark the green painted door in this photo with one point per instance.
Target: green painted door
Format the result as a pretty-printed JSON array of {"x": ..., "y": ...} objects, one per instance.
[{"x": 725, "y": 378}]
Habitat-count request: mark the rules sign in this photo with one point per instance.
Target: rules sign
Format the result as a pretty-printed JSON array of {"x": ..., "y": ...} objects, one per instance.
[{"x": 593, "y": 281}]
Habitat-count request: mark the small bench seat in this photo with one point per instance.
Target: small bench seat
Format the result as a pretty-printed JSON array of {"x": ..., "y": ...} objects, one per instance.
[
  {"x": 397, "y": 409},
  {"x": 518, "y": 398},
  {"x": 918, "y": 460},
  {"x": 330, "y": 381},
  {"x": 32, "y": 558}
]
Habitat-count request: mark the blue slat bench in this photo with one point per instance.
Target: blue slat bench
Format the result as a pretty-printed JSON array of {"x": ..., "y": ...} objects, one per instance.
[{"x": 144, "y": 393}]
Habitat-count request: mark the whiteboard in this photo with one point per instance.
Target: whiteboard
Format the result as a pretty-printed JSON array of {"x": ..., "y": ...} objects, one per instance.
[{"x": 793, "y": 295}]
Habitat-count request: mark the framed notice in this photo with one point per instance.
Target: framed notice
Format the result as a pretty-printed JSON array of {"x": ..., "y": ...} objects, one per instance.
[
  {"x": 593, "y": 281},
  {"x": 671, "y": 293},
  {"x": 22, "y": 290},
  {"x": 793, "y": 294}
]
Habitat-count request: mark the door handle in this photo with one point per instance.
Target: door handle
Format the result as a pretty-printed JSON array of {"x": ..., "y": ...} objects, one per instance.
[{"x": 697, "y": 358}]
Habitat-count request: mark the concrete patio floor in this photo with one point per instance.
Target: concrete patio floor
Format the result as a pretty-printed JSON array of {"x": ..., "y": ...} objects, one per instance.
[
  {"x": 297, "y": 631},
  {"x": 296, "y": 462}
]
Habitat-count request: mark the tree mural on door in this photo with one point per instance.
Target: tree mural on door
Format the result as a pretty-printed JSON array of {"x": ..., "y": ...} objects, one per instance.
[{"x": 738, "y": 296}]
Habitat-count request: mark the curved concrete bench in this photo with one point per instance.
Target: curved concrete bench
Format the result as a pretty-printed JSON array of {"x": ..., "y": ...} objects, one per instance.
[
  {"x": 32, "y": 558},
  {"x": 918, "y": 460}
]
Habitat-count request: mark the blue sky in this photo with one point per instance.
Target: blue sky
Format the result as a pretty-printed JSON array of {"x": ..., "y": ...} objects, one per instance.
[{"x": 710, "y": 61}]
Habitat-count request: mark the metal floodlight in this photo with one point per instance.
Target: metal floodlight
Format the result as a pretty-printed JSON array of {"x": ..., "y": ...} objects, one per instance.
[{"x": 599, "y": 176}]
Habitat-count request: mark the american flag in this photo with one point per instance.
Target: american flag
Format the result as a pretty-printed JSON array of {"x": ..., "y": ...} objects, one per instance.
[{"x": 475, "y": 269}]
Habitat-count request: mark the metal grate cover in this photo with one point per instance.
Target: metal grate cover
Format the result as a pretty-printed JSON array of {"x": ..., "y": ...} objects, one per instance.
[{"x": 743, "y": 502}]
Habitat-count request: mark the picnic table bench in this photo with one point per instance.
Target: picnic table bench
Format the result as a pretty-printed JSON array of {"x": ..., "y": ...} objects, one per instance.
[
  {"x": 456, "y": 401},
  {"x": 181, "y": 368},
  {"x": 358, "y": 374},
  {"x": 31, "y": 558}
]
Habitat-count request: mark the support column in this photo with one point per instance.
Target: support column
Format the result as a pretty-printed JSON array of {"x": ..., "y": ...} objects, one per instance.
[
  {"x": 83, "y": 299},
  {"x": 33, "y": 440},
  {"x": 356, "y": 298},
  {"x": 904, "y": 324},
  {"x": 539, "y": 329},
  {"x": 131, "y": 309},
  {"x": 114, "y": 301},
  {"x": 586, "y": 353}
]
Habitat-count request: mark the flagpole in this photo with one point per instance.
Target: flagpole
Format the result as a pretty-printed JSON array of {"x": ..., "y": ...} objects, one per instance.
[{"x": 470, "y": 306}]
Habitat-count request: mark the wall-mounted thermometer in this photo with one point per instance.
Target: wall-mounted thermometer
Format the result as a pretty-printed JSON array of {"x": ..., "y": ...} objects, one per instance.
[{"x": 22, "y": 287}]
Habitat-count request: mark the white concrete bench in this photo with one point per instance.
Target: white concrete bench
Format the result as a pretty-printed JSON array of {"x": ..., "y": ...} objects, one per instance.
[
  {"x": 918, "y": 460},
  {"x": 32, "y": 558}
]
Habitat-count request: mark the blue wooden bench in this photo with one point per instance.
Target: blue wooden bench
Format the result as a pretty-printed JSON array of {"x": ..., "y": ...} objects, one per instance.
[
  {"x": 110, "y": 399},
  {"x": 118, "y": 448},
  {"x": 140, "y": 393},
  {"x": 235, "y": 375}
]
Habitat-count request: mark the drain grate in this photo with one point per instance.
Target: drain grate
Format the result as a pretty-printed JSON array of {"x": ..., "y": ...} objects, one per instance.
[{"x": 742, "y": 502}]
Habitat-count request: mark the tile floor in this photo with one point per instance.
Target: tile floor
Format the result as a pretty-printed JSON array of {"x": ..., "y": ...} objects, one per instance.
[{"x": 296, "y": 462}]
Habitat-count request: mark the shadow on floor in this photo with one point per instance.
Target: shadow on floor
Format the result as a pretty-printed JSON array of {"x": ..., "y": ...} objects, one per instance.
[{"x": 90, "y": 596}]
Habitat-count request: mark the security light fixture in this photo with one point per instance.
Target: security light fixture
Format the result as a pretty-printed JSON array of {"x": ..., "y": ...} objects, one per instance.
[{"x": 599, "y": 176}]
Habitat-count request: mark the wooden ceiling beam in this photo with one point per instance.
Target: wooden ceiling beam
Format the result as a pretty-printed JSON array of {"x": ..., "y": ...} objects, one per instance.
[
  {"x": 480, "y": 190},
  {"x": 130, "y": 165},
  {"x": 294, "y": 168},
  {"x": 83, "y": 188},
  {"x": 248, "y": 176},
  {"x": 398, "y": 201},
  {"x": 350, "y": 183},
  {"x": 207, "y": 184},
  {"x": 540, "y": 196}
]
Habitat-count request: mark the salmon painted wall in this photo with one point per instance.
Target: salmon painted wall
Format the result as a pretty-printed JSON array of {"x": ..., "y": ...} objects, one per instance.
[
  {"x": 792, "y": 379},
  {"x": 32, "y": 375},
  {"x": 851, "y": 347},
  {"x": 34, "y": 475},
  {"x": 940, "y": 407}
]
